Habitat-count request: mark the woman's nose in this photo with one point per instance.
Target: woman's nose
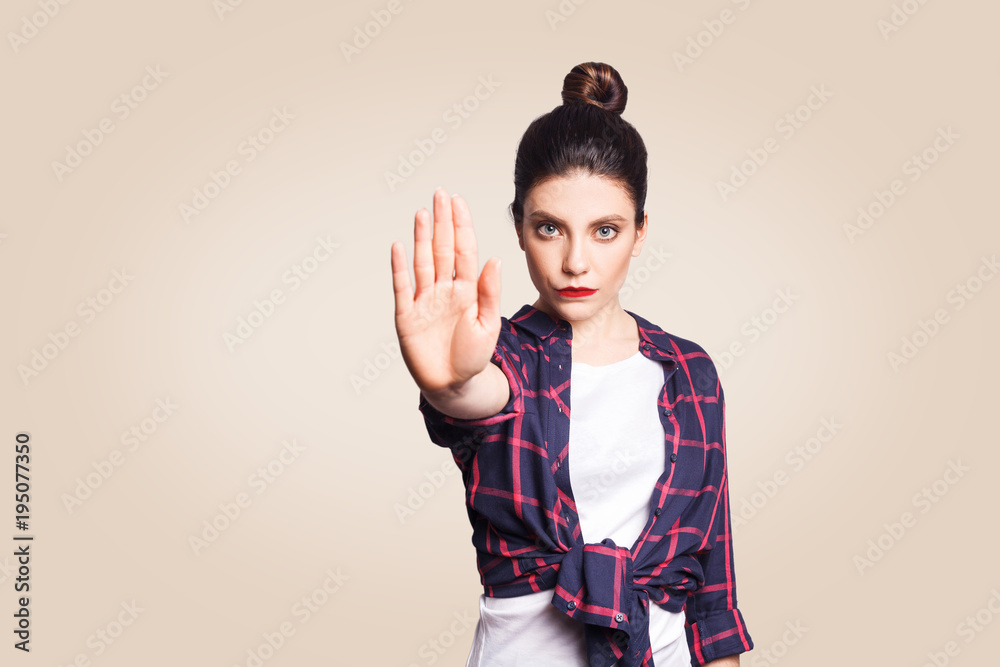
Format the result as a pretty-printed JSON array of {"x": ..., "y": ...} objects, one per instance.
[{"x": 575, "y": 260}]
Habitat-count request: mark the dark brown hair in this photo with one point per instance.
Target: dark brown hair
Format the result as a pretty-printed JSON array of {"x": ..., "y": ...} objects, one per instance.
[{"x": 585, "y": 133}]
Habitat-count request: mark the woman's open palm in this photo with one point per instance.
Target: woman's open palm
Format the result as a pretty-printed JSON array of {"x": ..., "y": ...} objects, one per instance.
[{"x": 449, "y": 327}]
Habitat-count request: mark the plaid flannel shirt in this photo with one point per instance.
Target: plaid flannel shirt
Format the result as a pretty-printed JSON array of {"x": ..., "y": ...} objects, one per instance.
[{"x": 526, "y": 530}]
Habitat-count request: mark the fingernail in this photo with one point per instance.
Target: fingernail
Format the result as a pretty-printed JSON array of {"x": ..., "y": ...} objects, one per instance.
[{"x": 454, "y": 195}]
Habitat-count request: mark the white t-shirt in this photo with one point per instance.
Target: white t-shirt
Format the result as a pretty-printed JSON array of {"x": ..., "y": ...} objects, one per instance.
[{"x": 616, "y": 455}]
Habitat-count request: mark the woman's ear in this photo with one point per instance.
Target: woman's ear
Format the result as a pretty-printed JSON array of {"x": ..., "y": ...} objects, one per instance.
[{"x": 640, "y": 235}]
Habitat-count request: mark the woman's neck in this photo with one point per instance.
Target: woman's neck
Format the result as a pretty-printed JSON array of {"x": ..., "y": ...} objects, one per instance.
[{"x": 609, "y": 326}]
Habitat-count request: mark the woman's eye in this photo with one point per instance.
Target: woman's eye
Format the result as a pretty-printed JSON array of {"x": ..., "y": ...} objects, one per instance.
[{"x": 610, "y": 232}]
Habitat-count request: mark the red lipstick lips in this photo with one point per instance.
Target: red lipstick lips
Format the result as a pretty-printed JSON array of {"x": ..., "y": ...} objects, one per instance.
[{"x": 576, "y": 291}]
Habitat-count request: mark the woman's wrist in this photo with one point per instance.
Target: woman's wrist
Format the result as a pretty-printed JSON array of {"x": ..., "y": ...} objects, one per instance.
[{"x": 474, "y": 398}]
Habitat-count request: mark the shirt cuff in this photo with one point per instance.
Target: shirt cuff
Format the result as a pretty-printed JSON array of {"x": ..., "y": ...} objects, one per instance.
[
  {"x": 447, "y": 431},
  {"x": 717, "y": 635}
]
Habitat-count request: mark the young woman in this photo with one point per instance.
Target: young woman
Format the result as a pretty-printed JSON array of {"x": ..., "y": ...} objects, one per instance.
[{"x": 600, "y": 516}]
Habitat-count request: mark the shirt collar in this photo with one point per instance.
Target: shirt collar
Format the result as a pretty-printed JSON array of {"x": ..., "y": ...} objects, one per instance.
[{"x": 543, "y": 325}]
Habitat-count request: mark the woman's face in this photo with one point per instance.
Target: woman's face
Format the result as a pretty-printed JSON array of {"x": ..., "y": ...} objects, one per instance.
[{"x": 579, "y": 231}]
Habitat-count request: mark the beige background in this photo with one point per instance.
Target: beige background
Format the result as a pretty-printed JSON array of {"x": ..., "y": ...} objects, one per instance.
[{"x": 403, "y": 582}]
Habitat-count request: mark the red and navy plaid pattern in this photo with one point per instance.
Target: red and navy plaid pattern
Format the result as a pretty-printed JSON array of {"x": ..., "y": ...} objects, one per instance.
[{"x": 525, "y": 526}]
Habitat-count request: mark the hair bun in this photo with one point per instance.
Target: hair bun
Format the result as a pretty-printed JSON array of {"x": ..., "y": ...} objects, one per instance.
[{"x": 595, "y": 83}]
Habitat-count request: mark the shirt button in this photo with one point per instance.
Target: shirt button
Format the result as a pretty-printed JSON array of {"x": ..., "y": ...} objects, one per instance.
[
  {"x": 560, "y": 408},
  {"x": 560, "y": 366},
  {"x": 571, "y": 605},
  {"x": 673, "y": 457},
  {"x": 657, "y": 511},
  {"x": 619, "y": 617},
  {"x": 667, "y": 411}
]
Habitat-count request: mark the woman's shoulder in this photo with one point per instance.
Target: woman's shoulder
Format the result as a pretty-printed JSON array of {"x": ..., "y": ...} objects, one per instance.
[
  {"x": 693, "y": 358},
  {"x": 660, "y": 335}
]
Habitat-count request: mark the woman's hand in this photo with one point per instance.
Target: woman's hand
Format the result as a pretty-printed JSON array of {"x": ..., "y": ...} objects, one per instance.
[{"x": 448, "y": 330}]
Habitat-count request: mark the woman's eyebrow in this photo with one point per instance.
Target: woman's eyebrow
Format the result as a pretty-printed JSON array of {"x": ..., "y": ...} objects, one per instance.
[{"x": 544, "y": 214}]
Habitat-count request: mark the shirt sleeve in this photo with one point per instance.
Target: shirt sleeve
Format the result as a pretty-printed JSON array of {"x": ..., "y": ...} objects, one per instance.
[
  {"x": 447, "y": 431},
  {"x": 715, "y": 626}
]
